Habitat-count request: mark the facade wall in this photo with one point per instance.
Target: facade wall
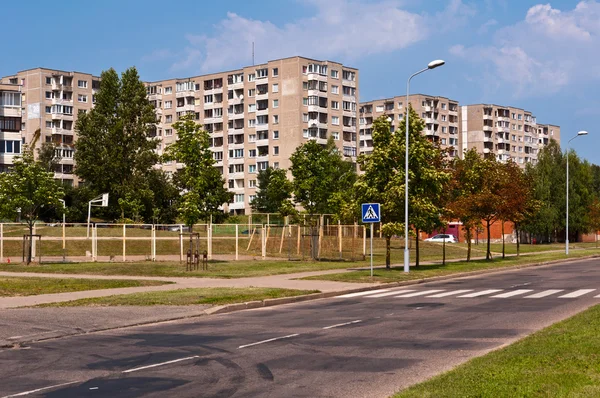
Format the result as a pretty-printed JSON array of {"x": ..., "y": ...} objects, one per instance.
[{"x": 11, "y": 143}]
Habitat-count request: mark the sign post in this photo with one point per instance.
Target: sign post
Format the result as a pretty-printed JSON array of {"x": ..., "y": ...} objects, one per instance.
[{"x": 371, "y": 213}]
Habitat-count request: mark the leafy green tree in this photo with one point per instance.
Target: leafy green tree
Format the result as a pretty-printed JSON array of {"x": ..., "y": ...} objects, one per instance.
[
  {"x": 202, "y": 184},
  {"x": 580, "y": 195},
  {"x": 319, "y": 171},
  {"x": 114, "y": 151},
  {"x": 273, "y": 193},
  {"x": 28, "y": 187}
]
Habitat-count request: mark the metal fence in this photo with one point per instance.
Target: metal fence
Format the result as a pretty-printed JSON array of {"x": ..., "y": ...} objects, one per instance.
[{"x": 152, "y": 242}]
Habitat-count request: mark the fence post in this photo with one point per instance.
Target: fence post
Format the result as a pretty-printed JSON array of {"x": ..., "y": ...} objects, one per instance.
[
  {"x": 364, "y": 240},
  {"x": 124, "y": 244},
  {"x": 1, "y": 243},
  {"x": 298, "y": 245},
  {"x": 320, "y": 238},
  {"x": 33, "y": 244},
  {"x": 94, "y": 247},
  {"x": 210, "y": 240},
  {"x": 380, "y": 230},
  {"x": 153, "y": 243},
  {"x": 237, "y": 241},
  {"x": 263, "y": 242},
  {"x": 180, "y": 243},
  {"x": 340, "y": 238}
]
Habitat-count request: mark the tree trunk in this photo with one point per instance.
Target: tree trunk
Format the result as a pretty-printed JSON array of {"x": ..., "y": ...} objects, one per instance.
[
  {"x": 503, "y": 244},
  {"x": 468, "y": 236},
  {"x": 417, "y": 248},
  {"x": 444, "y": 253},
  {"x": 518, "y": 240},
  {"x": 30, "y": 248},
  {"x": 488, "y": 253},
  {"x": 388, "y": 249}
]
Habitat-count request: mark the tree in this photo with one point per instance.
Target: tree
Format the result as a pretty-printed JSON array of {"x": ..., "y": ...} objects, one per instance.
[
  {"x": 115, "y": 151},
  {"x": 594, "y": 217},
  {"x": 202, "y": 184},
  {"x": 319, "y": 171},
  {"x": 28, "y": 187},
  {"x": 273, "y": 193}
]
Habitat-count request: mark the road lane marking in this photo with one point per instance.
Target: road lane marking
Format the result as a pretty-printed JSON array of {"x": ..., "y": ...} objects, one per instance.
[
  {"x": 577, "y": 293},
  {"x": 362, "y": 293},
  {"x": 390, "y": 293},
  {"x": 439, "y": 295},
  {"x": 422, "y": 293},
  {"x": 513, "y": 293},
  {"x": 161, "y": 364},
  {"x": 21, "y": 394},
  {"x": 269, "y": 340},
  {"x": 342, "y": 324},
  {"x": 482, "y": 293},
  {"x": 545, "y": 293}
]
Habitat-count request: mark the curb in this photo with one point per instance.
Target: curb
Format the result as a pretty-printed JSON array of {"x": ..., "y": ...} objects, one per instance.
[{"x": 224, "y": 309}]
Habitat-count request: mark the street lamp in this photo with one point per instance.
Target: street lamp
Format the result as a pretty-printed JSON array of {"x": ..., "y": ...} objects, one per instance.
[
  {"x": 567, "y": 229},
  {"x": 431, "y": 65}
]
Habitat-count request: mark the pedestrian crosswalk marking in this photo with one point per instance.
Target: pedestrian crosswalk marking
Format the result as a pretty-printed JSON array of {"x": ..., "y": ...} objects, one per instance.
[
  {"x": 362, "y": 293},
  {"x": 421, "y": 293},
  {"x": 545, "y": 293},
  {"x": 577, "y": 293},
  {"x": 390, "y": 293},
  {"x": 440, "y": 295},
  {"x": 513, "y": 293},
  {"x": 482, "y": 293}
]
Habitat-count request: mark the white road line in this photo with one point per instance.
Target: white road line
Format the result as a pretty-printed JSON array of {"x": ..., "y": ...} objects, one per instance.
[
  {"x": 439, "y": 295},
  {"x": 21, "y": 394},
  {"x": 545, "y": 293},
  {"x": 161, "y": 364},
  {"x": 390, "y": 293},
  {"x": 342, "y": 324},
  {"x": 362, "y": 293},
  {"x": 269, "y": 340},
  {"x": 424, "y": 292},
  {"x": 481, "y": 293},
  {"x": 513, "y": 293},
  {"x": 577, "y": 293}
]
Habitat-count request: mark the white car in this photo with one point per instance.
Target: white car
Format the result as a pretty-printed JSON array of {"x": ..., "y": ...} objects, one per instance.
[{"x": 441, "y": 238}]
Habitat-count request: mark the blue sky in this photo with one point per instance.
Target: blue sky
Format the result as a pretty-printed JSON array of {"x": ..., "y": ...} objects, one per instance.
[{"x": 530, "y": 54}]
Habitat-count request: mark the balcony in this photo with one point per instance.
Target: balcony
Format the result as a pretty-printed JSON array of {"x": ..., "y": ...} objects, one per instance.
[
  {"x": 12, "y": 111},
  {"x": 349, "y": 113},
  {"x": 61, "y": 116},
  {"x": 60, "y": 101},
  {"x": 488, "y": 139},
  {"x": 487, "y": 117},
  {"x": 262, "y": 112},
  {"x": 316, "y": 123},
  {"x": 214, "y": 90},
  {"x": 262, "y": 95},
  {"x": 236, "y": 100},
  {"x": 235, "y": 115},
  {"x": 184, "y": 93},
  {"x": 185, "y": 108},
  {"x": 155, "y": 97},
  {"x": 349, "y": 128},
  {"x": 237, "y": 206},
  {"x": 486, "y": 150},
  {"x": 317, "y": 76},
  {"x": 488, "y": 128}
]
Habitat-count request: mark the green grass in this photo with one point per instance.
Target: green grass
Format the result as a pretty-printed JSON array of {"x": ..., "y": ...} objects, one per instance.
[
  {"x": 233, "y": 269},
  {"x": 15, "y": 286},
  {"x": 427, "y": 271},
  {"x": 562, "y": 360},
  {"x": 211, "y": 296}
]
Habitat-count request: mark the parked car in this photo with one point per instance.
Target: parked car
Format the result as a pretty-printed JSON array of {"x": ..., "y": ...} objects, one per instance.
[{"x": 441, "y": 237}]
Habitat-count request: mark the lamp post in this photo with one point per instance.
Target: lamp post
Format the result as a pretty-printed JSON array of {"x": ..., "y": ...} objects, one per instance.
[
  {"x": 567, "y": 228},
  {"x": 431, "y": 65}
]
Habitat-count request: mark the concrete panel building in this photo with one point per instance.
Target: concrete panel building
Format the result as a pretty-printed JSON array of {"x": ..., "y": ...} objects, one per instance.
[{"x": 11, "y": 143}]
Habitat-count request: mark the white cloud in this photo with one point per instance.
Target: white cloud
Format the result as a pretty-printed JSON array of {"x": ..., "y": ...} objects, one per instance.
[
  {"x": 486, "y": 26},
  {"x": 345, "y": 29},
  {"x": 547, "y": 51}
]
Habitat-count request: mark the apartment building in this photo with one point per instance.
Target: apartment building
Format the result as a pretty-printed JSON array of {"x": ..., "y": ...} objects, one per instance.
[
  {"x": 441, "y": 116},
  {"x": 258, "y": 115},
  {"x": 51, "y": 101},
  {"x": 504, "y": 131},
  {"x": 10, "y": 124}
]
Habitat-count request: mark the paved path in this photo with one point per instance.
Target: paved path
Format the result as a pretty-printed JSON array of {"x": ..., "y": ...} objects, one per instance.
[{"x": 287, "y": 281}]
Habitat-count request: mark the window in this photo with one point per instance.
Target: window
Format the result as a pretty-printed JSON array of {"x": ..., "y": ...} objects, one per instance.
[
  {"x": 168, "y": 104},
  {"x": 168, "y": 132},
  {"x": 443, "y": 129},
  {"x": 276, "y": 165},
  {"x": 379, "y": 108},
  {"x": 238, "y": 198},
  {"x": 275, "y": 88},
  {"x": 48, "y": 94},
  {"x": 276, "y": 103},
  {"x": 335, "y": 120},
  {"x": 48, "y": 80},
  {"x": 236, "y": 153},
  {"x": 251, "y": 107},
  {"x": 252, "y": 153},
  {"x": 444, "y": 106},
  {"x": 348, "y": 75},
  {"x": 443, "y": 141},
  {"x": 252, "y": 168},
  {"x": 335, "y": 89},
  {"x": 48, "y": 124},
  {"x": 335, "y": 105},
  {"x": 251, "y": 137},
  {"x": 304, "y": 85},
  {"x": 208, "y": 99},
  {"x": 335, "y": 74},
  {"x": 185, "y": 86},
  {"x": 13, "y": 147},
  {"x": 251, "y": 77},
  {"x": 305, "y": 117},
  {"x": 520, "y": 117},
  {"x": 335, "y": 135},
  {"x": 262, "y": 73},
  {"x": 82, "y": 83},
  {"x": 263, "y": 165},
  {"x": 275, "y": 135},
  {"x": 275, "y": 150},
  {"x": 305, "y": 133},
  {"x": 275, "y": 119},
  {"x": 275, "y": 72},
  {"x": 443, "y": 118},
  {"x": 169, "y": 119},
  {"x": 251, "y": 122},
  {"x": 81, "y": 98},
  {"x": 252, "y": 183},
  {"x": 305, "y": 101},
  {"x": 10, "y": 99},
  {"x": 168, "y": 90}
]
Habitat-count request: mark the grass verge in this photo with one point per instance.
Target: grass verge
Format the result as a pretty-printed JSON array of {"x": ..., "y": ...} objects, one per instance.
[
  {"x": 14, "y": 286},
  {"x": 559, "y": 361},
  {"x": 211, "y": 296},
  {"x": 428, "y": 271}
]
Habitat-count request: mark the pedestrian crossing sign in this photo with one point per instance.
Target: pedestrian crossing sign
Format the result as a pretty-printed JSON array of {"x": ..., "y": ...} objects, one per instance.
[{"x": 371, "y": 212}]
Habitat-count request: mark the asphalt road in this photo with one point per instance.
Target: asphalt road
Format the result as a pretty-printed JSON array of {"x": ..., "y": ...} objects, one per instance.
[{"x": 367, "y": 345}]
